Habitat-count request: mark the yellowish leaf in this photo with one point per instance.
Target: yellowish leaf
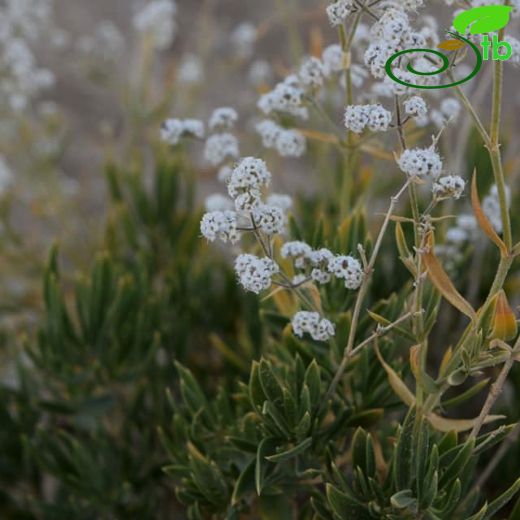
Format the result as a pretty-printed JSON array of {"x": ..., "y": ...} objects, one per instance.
[
  {"x": 445, "y": 360},
  {"x": 444, "y": 424},
  {"x": 504, "y": 320},
  {"x": 442, "y": 282},
  {"x": 397, "y": 384},
  {"x": 482, "y": 220},
  {"x": 451, "y": 45}
]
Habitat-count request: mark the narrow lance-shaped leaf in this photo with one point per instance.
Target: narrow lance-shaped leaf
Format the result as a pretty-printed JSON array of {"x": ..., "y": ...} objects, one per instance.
[
  {"x": 482, "y": 220},
  {"x": 443, "y": 283}
]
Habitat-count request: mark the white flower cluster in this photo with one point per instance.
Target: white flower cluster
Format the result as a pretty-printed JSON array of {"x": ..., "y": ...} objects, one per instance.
[
  {"x": 449, "y": 186},
  {"x": 305, "y": 322},
  {"x": 311, "y": 73},
  {"x": 223, "y": 118},
  {"x": 323, "y": 264},
  {"x": 338, "y": 11},
  {"x": 415, "y": 106},
  {"x": 375, "y": 117},
  {"x": 222, "y": 146},
  {"x": 105, "y": 44},
  {"x": 491, "y": 207},
  {"x": 246, "y": 183},
  {"x": 254, "y": 273},
  {"x": 243, "y": 39},
  {"x": 390, "y": 34},
  {"x": 287, "y": 97},
  {"x": 423, "y": 163},
  {"x": 191, "y": 70},
  {"x": 157, "y": 20},
  {"x": 22, "y": 22},
  {"x": 173, "y": 130},
  {"x": 464, "y": 231},
  {"x": 220, "y": 224},
  {"x": 287, "y": 142}
]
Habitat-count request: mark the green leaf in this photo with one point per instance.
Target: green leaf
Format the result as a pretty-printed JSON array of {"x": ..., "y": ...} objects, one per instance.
[
  {"x": 256, "y": 393},
  {"x": 344, "y": 504},
  {"x": 403, "y": 455},
  {"x": 270, "y": 384},
  {"x": 488, "y": 18},
  {"x": 292, "y": 452},
  {"x": 403, "y": 499},
  {"x": 266, "y": 447},
  {"x": 313, "y": 381},
  {"x": 457, "y": 465},
  {"x": 245, "y": 482},
  {"x": 502, "y": 500}
]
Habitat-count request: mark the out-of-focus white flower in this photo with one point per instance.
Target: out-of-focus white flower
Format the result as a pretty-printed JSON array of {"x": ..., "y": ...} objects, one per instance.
[
  {"x": 415, "y": 107},
  {"x": 172, "y": 130},
  {"x": 157, "y": 21},
  {"x": 288, "y": 143},
  {"x": 223, "y": 118},
  {"x": 450, "y": 186},
  {"x": 491, "y": 207},
  {"x": 243, "y": 39},
  {"x": 191, "y": 71},
  {"x": 297, "y": 250},
  {"x": 305, "y": 322},
  {"x": 285, "y": 97},
  {"x": 311, "y": 73},
  {"x": 221, "y": 147},
  {"x": 260, "y": 73}
]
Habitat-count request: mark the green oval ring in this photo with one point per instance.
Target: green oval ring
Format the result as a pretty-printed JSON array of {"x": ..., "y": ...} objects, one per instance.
[{"x": 445, "y": 65}]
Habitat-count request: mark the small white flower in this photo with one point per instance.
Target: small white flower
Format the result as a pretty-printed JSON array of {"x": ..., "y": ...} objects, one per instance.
[
  {"x": 291, "y": 143},
  {"x": 243, "y": 39},
  {"x": 250, "y": 174},
  {"x": 415, "y": 107},
  {"x": 172, "y": 130},
  {"x": 220, "y": 224},
  {"x": 221, "y": 147},
  {"x": 320, "y": 329},
  {"x": 191, "y": 71},
  {"x": 356, "y": 118},
  {"x": 379, "y": 119},
  {"x": 269, "y": 219},
  {"x": 338, "y": 11},
  {"x": 348, "y": 269},
  {"x": 424, "y": 163},
  {"x": 254, "y": 273},
  {"x": 297, "y": 250},
  {"x": 311, "y": 72},
  {"x": 157, "y": 19},
  {"x": 450, "y": 186},
  {"x": 320, "y": 276},
  {"x": 333, "y": 59},
  {"x": 491, "y": 207},
  {"x": 223, "y": 118}
]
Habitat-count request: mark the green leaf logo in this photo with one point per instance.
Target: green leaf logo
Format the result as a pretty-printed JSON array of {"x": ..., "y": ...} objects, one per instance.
[{"x": 483, "y": 19}]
